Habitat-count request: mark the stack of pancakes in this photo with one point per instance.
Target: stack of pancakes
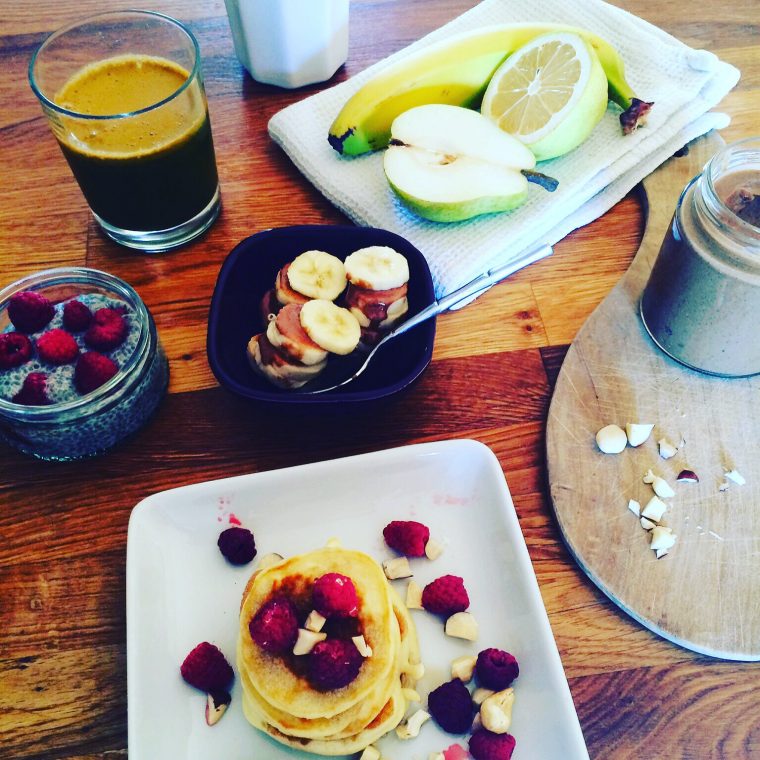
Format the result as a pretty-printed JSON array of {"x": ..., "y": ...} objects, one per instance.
[{"x": 278, "y": 698}]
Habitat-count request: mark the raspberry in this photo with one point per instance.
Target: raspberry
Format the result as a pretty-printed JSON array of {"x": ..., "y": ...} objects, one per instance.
[
  {"x": 496, "y": 669},
  {"x": 32, "y": 392},
  {"x": 445, "y": 596},
  {"x": 237, "y": 545},
  {"x": 485, "y": 745},
  {"x": 333, "y": 663},
  {"x": 107, "y": 331},
  {"x": 30, "y": 311},
  {"x": 57, "y": 347},
  {"x": 15, "y": 349},
  {"x": 334, "y": 595},
  {"x": 451, "y": 707},
  {"x": 76, "y": 316},
  {"x": 92, "y": 370},
  {"x": 207, "y": 669},
  {"x": 407, "y": 537},
  {"x": 275, "y": 626}
]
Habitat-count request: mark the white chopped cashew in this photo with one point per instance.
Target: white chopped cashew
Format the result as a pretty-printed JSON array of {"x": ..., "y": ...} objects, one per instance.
[
  {"x": 737, "y": 477},
  {"x": 634, "y": 506},
  {"x": 268, "y": 560},
  {"x": 415, "y": 672},
  {"x": 370, "y": 753},
  {"x": 480, "y": 695},
  {"x": 654, "y": 509},
  {"x": 647, "y": 524},
  {"x": 410, "y": 728},
  {"x": 411, "y": 695},
  {"x": 397, "y": 568},
  {"x": 315, "y": 621},
  {"x": 659, "y": 553},
  {"x": 462, "y": 625},
  {"x": 724, "y": 486},
  {"x": 414, "y": 596},
  {"x": 662, "y": 488},
  {"x": 364, "y": 649},
  {"x": 662, "y": 538},
  {"x": 667, "y": 449},
  {"x": 463, "y": 667},
  {"x": 611, "y": 439},
  {"x": 637, "y": 432},
  {"x": 649, "y": 477},
  {"x": 307, "y": 640},
  {"x": 433, "y": 549},
  {"x": 496, "y": 711}
]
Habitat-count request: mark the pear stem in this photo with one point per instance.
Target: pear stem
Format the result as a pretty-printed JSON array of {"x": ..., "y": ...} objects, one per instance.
[{"x": 547, "y": 182}]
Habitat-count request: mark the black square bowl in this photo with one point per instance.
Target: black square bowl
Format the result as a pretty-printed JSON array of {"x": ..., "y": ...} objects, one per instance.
[{"x": 250, "y": 270}]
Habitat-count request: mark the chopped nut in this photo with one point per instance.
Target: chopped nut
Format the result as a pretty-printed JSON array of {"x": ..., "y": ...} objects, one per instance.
[
  {"x": 649, "y": 477},
  {"x": 496, "y": 711},
  {"x": 307, "y": 640},
  {"x": 462, "y": 625},
  {"x": 411, "y": 695},
  {"x": 477, "y": 723},
  {"x": 659, "y": 553},
  {"x": 463, "y": 668},
  {"x": 736, "y": 477},
  {"x": 662, "y": 488},
  {"x": 634, "y": 506},
  {"x": 370, "y": 753},
  {"x": 315, "y": 622},
  {"x": 414, "y": 596},
  {"x": 415, "y": 672},
  {"x": 637, "y": 433},
  {"x": 687, "y": 476},
  {"x": 214, "y": 709},
  {"x": 662, "y": 538},
  {"x": 667, "y": 449},
  {"x": 433, "y": 549},
  {"x": 410, "y": 728},
  {"x": 724, "y": 486},
  {"x": 647, "y": 524},
  {"x": 654, "y": 509},
  {"x": 611, "y": 439},
  {"x": 364, "y": 649},
  {"x": 268, "y": 560},
  {"x": 397, "y": 568},
  {"x": 480, "y": 695}
]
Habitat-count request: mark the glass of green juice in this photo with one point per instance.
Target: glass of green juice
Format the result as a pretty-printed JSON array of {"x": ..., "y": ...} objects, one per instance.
[{"x": 124, "y": 96}]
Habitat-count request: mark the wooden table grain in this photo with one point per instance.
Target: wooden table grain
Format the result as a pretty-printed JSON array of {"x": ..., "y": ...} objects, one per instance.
[{"x": 63, "y": 527}]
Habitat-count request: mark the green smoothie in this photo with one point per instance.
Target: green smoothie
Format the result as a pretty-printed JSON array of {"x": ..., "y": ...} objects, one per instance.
[{"x": 148, "y": 169}]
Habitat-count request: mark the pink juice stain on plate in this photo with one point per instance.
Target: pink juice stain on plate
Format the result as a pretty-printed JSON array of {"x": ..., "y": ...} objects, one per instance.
[{"x": 234, "y": 520}]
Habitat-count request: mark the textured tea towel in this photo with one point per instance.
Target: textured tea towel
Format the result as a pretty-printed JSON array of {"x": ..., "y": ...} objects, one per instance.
[{"x": 683, "y": 83}]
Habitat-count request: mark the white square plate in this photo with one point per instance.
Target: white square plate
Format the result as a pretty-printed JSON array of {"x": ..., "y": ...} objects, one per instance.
[{"x": 181, "y": 591}]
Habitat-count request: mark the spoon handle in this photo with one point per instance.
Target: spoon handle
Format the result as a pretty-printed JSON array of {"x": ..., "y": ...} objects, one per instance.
[{"x": 472, "y": 288}]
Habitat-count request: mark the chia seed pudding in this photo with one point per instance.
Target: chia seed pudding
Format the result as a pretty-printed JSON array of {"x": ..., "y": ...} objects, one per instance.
[{"x": 69, "y": 424}]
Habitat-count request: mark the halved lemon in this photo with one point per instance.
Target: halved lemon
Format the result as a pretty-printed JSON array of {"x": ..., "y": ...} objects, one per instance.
[{"x": 549, "y": 94}]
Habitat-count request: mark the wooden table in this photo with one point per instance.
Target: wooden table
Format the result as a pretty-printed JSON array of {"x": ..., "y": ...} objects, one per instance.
[{"x": 63, "y": 528}]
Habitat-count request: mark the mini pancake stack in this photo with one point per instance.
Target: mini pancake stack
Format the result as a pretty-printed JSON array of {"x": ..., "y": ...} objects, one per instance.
[
  {"x": 308, "y": 316},
  {"x": 278, "y": 696}
]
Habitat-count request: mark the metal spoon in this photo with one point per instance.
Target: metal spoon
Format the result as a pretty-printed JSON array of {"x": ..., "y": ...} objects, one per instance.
[{"x": 359, "y": 362}]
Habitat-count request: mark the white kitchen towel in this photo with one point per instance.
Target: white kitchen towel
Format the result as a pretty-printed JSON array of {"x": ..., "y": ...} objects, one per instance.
[{"x": 683, "y": 83}]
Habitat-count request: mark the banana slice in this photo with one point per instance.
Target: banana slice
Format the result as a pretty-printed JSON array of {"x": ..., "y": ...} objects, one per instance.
[
  {"x": 377, "y": 268},
  {"x": 317, "y": 274},
  {"x": 331, "y": 327}
]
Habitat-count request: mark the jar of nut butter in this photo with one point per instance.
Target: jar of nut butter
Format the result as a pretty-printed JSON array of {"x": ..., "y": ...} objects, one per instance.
[{"x": 702, "y": 302}]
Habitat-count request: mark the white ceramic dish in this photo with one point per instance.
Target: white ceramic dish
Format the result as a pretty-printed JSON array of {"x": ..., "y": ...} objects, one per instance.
[{"x": 181, "y": 591}]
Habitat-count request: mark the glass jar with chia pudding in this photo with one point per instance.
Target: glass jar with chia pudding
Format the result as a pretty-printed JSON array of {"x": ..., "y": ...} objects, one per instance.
[
  {"x": 702, "y": 302},
  {"x": 81, "y": 365}
]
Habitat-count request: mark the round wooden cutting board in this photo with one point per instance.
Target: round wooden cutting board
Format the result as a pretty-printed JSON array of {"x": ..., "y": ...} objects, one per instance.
[{"x": 704, "y": 594}]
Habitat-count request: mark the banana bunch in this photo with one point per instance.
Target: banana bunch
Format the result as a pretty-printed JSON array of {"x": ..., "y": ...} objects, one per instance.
[{"x": 456, "y": 71}]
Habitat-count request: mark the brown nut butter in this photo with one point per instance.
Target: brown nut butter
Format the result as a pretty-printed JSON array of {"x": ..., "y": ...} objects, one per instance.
[{"x": 702, "y": 302}]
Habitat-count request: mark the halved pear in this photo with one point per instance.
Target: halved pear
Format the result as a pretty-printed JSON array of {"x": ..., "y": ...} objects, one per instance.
[{"x": 447, "y": 164}]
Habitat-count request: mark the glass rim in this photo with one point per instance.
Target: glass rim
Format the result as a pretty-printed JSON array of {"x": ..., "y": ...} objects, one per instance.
[
  {"x": 63, "y": 276},
  {"x": 48, "y": 103}
]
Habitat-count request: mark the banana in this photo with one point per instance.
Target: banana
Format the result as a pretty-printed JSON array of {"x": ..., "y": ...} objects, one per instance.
[
  {"x": 456, "y": 71},
  {"x": 331, "y": 327},
  {"x": 317, "y": 274},
  {"x": 377, "y": 267}
]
